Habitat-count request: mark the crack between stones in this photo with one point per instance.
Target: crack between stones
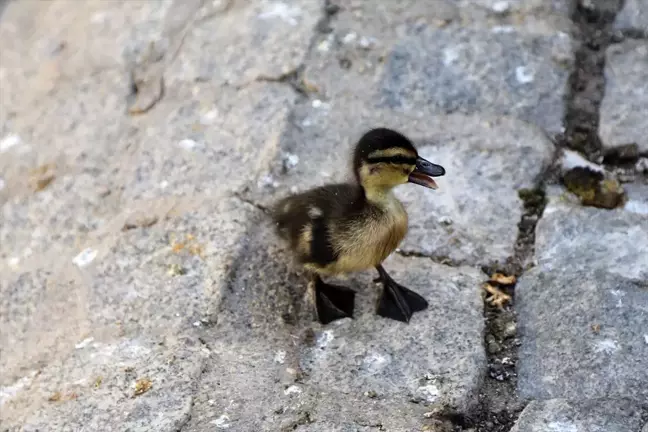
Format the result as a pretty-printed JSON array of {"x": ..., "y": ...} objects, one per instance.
[
  {"x": 587, "y": 81},
  {"x": 203, "y": 368}
]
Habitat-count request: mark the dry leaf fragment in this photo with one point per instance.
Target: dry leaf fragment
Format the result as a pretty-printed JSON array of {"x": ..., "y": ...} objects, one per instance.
[
  {"x": 502, "y": 279},
  {"x": 498, "y": 298},
  {"x": 142, "y": 385},
  {"x": 55, "y": 397},
  {"x": 596, "y": 328},
  {"x": 98, "y": 382}
]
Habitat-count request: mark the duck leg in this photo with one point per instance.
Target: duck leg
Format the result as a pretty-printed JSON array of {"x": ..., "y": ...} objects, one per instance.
[
  {"x": 332, "y": 302},
  {"x": 397, "y": 302}
]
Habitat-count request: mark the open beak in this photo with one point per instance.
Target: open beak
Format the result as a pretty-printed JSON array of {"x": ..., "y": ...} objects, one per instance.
[{"x": 423, "y": 173}]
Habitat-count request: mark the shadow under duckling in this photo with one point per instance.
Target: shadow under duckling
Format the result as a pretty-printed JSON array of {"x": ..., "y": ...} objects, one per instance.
[{"x": 343, "y": 228}]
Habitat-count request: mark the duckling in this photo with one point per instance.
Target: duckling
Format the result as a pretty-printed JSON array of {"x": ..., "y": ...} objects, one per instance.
[{"x": 337, "y": 229}]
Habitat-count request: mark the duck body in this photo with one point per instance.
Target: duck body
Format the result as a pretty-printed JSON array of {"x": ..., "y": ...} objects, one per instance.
[{"x": 337, "y": 229}]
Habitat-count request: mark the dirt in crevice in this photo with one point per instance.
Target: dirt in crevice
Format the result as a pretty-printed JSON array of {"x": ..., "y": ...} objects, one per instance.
[{"x": 586, "y": 86}]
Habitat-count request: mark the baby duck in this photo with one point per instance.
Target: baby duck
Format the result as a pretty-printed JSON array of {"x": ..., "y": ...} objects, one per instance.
[{"x": 342, "y": 228}]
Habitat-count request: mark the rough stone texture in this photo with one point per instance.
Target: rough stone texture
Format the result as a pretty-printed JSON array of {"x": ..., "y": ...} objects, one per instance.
[
  {"x": 583, "y": 237},
  {"x": 466, "y": 220},
  {"x": 93, "y": 388},
  {"x": 81, "y": 41},
  {"x": 472, "y": 70},
  {"x": 600, "y": 415},
  {"x": 159, "y": 282},
  {"x": 250, "y": 40},
  {"x": 626, "y": 95},
  {"x": 301, "y": 368},
  {"x": 634, "y": 15},
  {"x": 583, "y": 326}
]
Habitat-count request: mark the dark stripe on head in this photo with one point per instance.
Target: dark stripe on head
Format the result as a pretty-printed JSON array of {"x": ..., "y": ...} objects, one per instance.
[{"x": 393, "y": 159}]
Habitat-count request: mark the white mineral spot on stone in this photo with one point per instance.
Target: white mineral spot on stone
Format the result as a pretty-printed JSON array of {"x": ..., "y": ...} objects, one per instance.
[
  {"x": 324, "y": 46},
  {"x": 646, "y": 338},
  {"x": 325, "y": 338},
  {"x": 98, "y": 18},
  {"x": 267, "y": 181},
  {"x": 294, "y": 189},
  {"x": 2, "y": 183},
  {"x": 11, "y": 140},
  {"x": 8, "y": 392},
  {"x": 314, "y": 212},
  {"x": 211, "y": 401},
  {"x": 562, "y": 427},
  {"x": 307, "y": 122},
  {"x": 291, "y": 160},
  {"x": 571, "y": 159},
  {"x": 85, "y": 257},
  {"x": 501, "y": 6},
  {"x": 503, "y": 29},
  {"x": 349, "y": 37},
  {"x": 293, "y": 389},
  {"x": 319, "y": 104},
  {"x": 188, "y": 144},
  {"x": 280, "y": 357},
  {"x": 282, "y": 11},
  {"x": 164, "y": 184},
  {"x": 196, "y": 324},
  {"x": 376, "y": 363},
  {"x": 367, "y": 42},
  {"x": 209, "y": 116},
  {"x": 607, "y": 346},
  {"x": 13, "y": 262},
  {"x": 450, "y": 55},
  {"x": 84, "y": 343},
  {"x": 524, "y": 74},
  {"x": 221, "y": 422},
  {"x": 428, "y": 392},
  {"x": 638, "y": 207}
]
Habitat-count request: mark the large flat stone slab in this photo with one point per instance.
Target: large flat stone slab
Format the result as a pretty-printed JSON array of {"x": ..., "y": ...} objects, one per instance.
[
  {"x": 308, "y": 371},
  {"x": 457, "y": 69},
  {"x": 467, "y": 219},
  {"x": 43, "y": 44},
  {"x": 633, "y": 15},
  {"x": 591, "y": 238},
  {"x": 509, "y": 58},
  {"x": 154, "y": 282},
  {"x": 200, "y": 139},
  {"x": 625, "y": 101},
  {"x": 601, "y": 415},
  {"x": 582, "y": 311},
  {"x": 94, "y": 388},
  {"x": 248, "y": 41}
]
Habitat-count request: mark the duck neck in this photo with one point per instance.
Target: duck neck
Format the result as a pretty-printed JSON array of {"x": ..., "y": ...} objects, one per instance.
[{"x": 379, "y": 195}]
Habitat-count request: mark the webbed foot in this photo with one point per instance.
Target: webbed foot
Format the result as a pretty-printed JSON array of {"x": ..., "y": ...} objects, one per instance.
[
  {"x": 332, "y": 302},
  {"x": 398, "y": 302}
]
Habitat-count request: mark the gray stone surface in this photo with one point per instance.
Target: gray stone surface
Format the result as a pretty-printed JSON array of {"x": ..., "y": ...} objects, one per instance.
[
  {"x": 301, "y": 367},
  {"x": 586, "y": 237},
  {"x": 93, "y": 387},
  {"x": 625, "y": 101},
  {"x": 248, "y": 41},
  {"x": 582, "y": 310},
  {"x": 454, "y": 56},
  {"x": 466, "y": 220},
  {"x": 600, "y": 415},
  {"x": 633, "y": 15},
  {"x": 473, "y": 70}
]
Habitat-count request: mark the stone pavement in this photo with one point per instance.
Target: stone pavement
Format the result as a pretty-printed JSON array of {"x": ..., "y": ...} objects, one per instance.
[{"x": 142, "y": 287}]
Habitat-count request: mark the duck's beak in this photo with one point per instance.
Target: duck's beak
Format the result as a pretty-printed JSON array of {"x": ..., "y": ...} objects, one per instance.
[{"x": 423, "y": 173}]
